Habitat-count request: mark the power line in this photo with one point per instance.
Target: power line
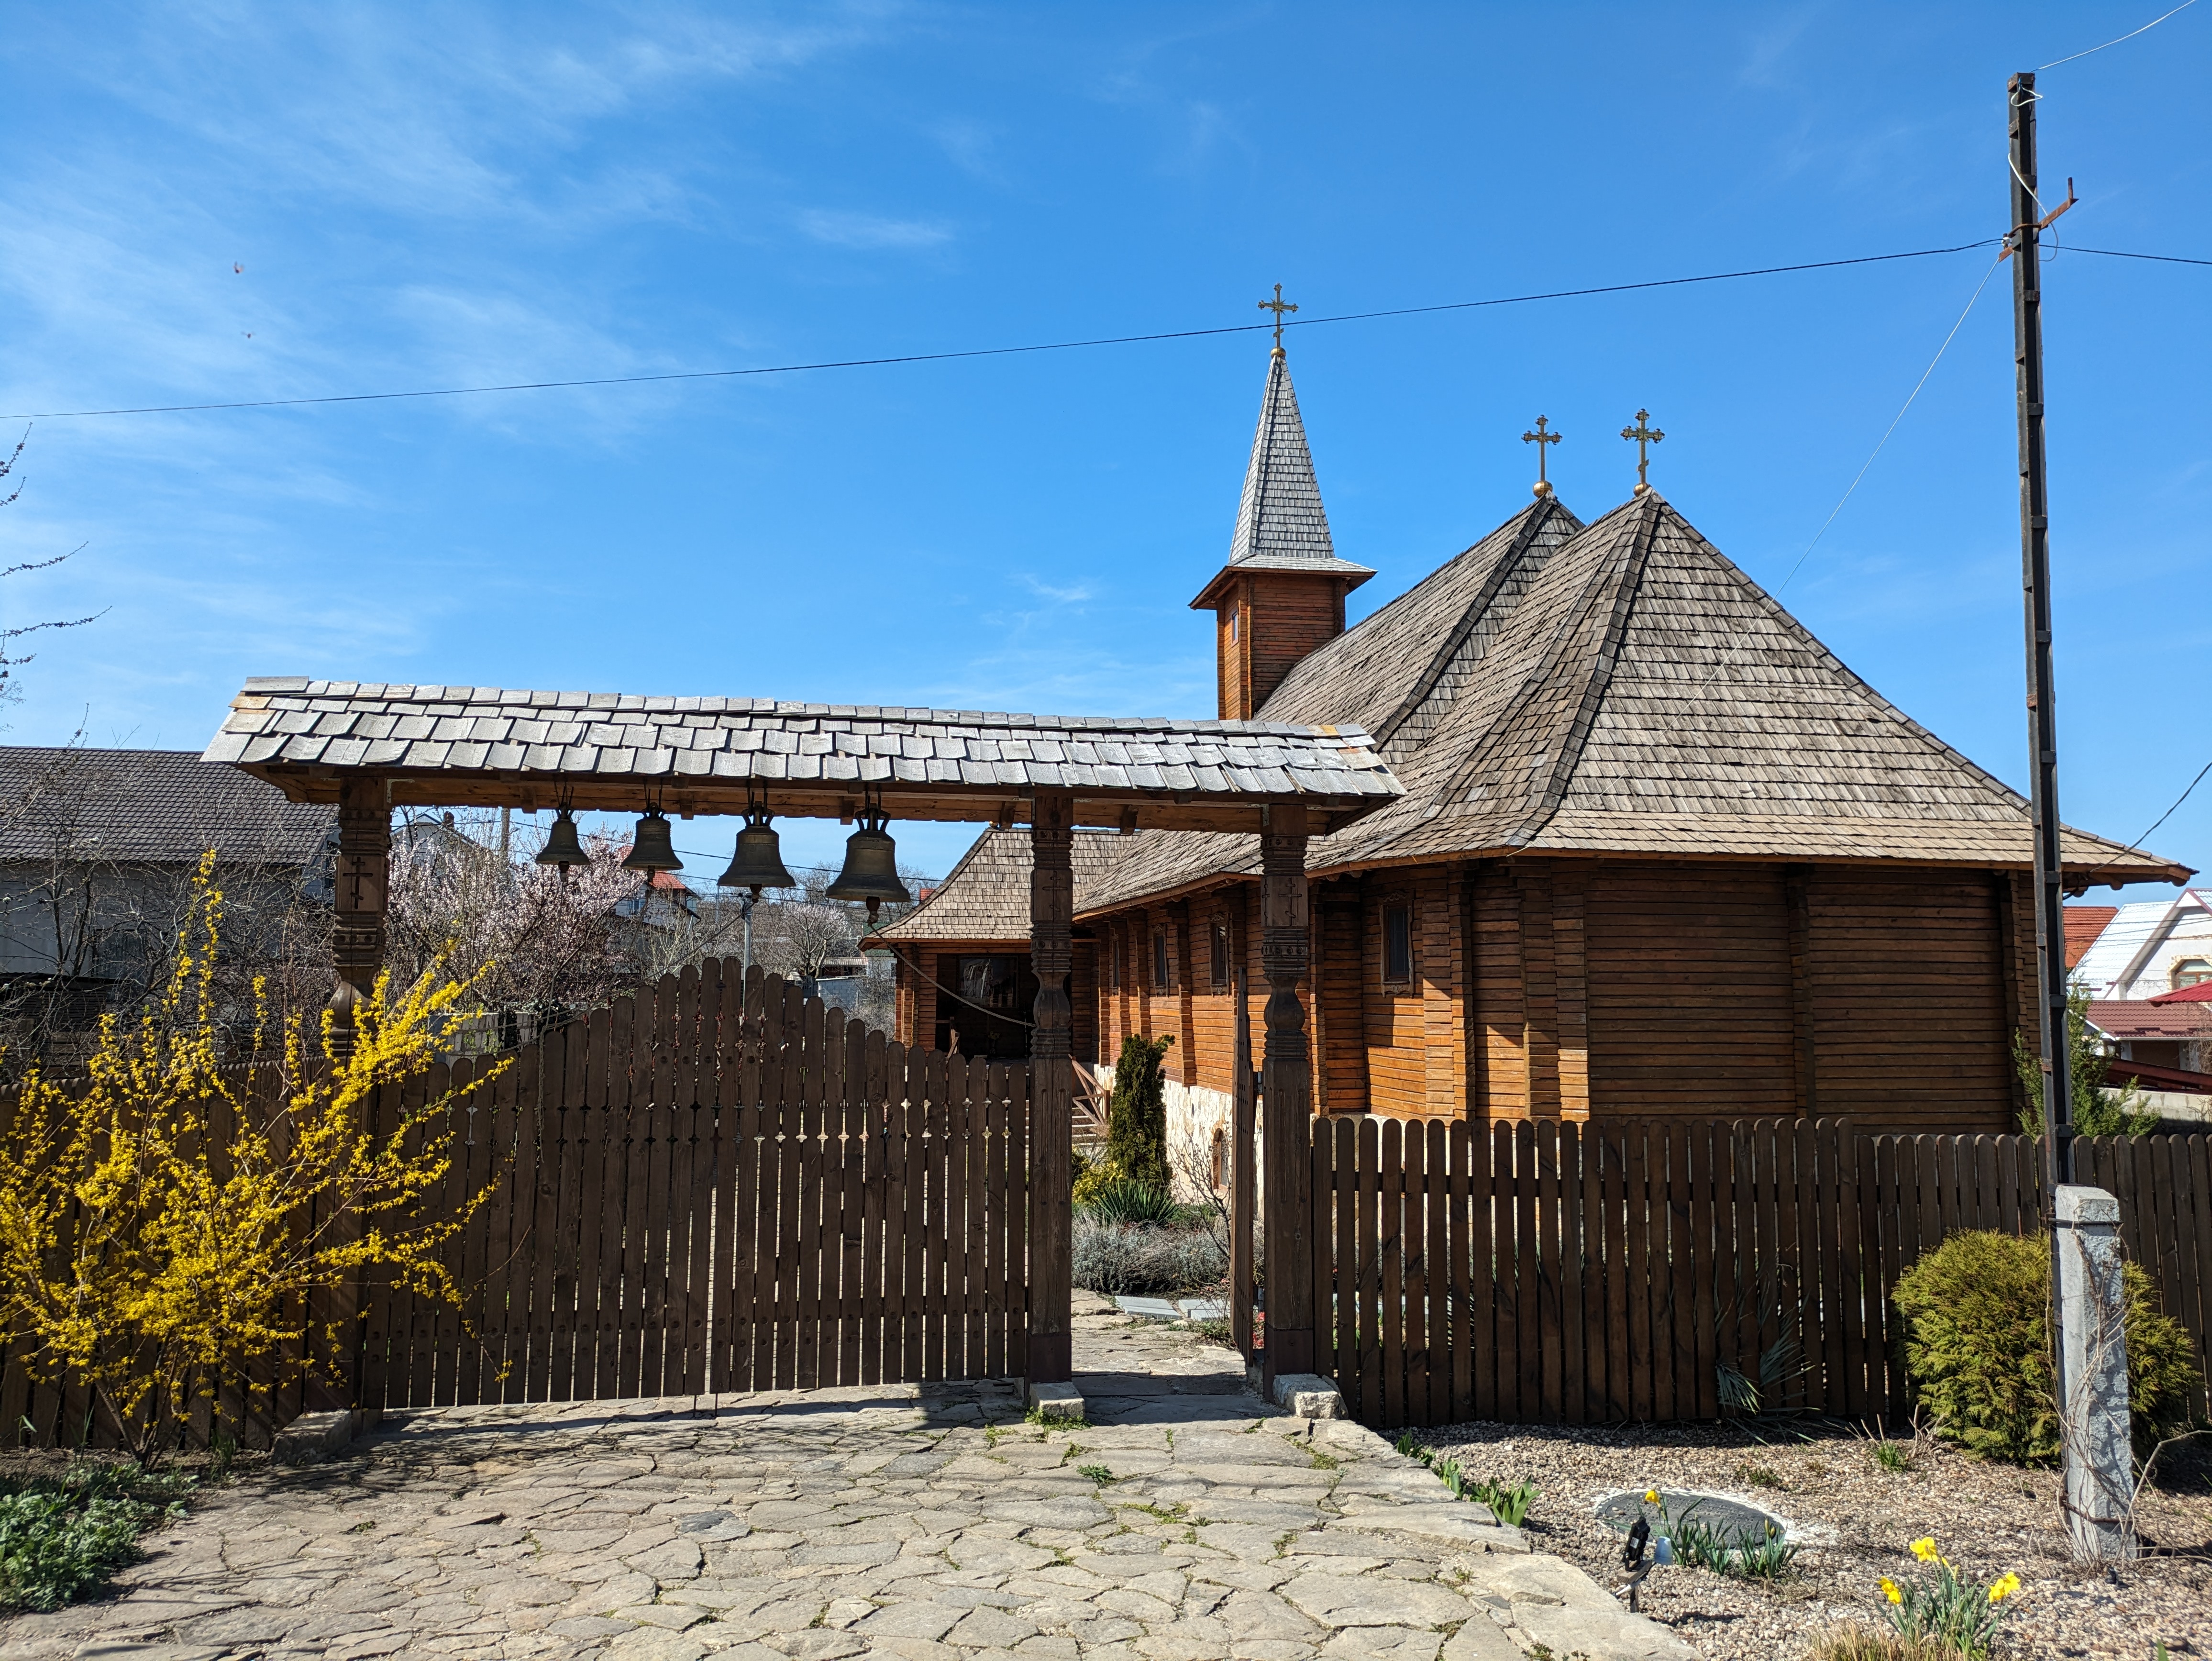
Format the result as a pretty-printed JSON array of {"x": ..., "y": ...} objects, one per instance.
[
  {"x": 1891, "y": 428},
  {"x": 994, "y": 351},
  {"x": 2130, "y": 35},
  {"x": 2117, "y": 254}
]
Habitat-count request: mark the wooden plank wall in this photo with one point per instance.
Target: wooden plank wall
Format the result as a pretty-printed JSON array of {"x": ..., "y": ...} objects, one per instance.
[
  {"x": 1557, "y": 1273},
  {"x": 713, "y": 1186}
]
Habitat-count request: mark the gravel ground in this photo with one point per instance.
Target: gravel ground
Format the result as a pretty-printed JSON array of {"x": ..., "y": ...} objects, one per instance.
[{"x": 1855, "y": 1519}]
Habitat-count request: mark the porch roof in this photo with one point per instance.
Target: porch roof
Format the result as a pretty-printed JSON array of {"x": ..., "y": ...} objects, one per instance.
[{"x": 450, "y": 746}]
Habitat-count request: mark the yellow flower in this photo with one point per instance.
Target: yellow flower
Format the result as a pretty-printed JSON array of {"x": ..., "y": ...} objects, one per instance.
[
  {"x": 2004, "y": 1586},
  {"x": 1925, "y": 1549},
  {"x": 1889, "y": 1590},
  {"x": 1651, "y": 1496}
]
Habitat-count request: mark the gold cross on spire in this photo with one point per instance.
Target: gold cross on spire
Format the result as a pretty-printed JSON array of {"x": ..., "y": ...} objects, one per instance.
[
  {"x": 1278, "y": 305},
  {"x": 1539, "y": 438},
  {"x": 1644, "y": 437}
]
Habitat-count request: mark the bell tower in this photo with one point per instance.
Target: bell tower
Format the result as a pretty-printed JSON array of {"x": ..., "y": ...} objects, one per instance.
[{"x": 1281, "y": 594}]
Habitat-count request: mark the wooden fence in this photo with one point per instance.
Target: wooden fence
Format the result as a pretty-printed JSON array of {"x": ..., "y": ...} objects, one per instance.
[
  {"x": 1579, "y": 1273},
  {"x": 716, "y": 1185}
]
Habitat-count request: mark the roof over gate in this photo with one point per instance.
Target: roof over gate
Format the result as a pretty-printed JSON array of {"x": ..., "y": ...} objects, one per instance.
[{"x": 605, "y": 752}]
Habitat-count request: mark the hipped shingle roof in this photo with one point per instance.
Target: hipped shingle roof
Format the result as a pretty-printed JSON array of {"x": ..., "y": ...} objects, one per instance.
[
  {"x": 986, "y": 897},
  {"x": 1623, "y": 688}
]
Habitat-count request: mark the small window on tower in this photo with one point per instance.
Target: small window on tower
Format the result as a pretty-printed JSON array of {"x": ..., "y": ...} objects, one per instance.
[
  {"x": 1233, "y": 618},
  {"x": 1220, "y": 955},
  {"x": 1163, "y": 980},
  {"x": 1398, "y": 943}
]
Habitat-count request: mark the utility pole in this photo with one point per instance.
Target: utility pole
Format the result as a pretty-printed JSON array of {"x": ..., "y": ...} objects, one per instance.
[{"x": 2028, "y": 221}]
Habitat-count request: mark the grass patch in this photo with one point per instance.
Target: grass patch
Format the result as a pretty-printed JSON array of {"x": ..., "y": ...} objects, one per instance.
[
  {"x": 1098, "y": 1474},
  {"x": 1324, "y": 1461},
  {"x": 1037, "y": 1416},
  {"x": 1760, "y": 1476},
  {"x": 1865, "y": 1644},
  {"x": 1730, "y": 1552},
  {"x": 1892, "y": 1456},
  {"x": 63, "y": 1538}
]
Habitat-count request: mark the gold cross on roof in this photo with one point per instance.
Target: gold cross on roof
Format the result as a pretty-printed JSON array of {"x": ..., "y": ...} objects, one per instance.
[
  {"x": 1539, "y": 438},
  {"x": 1644, "y": 437},
  {"x": 1278, "y": 305}
]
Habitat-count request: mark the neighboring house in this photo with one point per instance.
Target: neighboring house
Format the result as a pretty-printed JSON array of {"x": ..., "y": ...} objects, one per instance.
[
  {"x": 2165, "y": 1032},
  {"x": 98, "y": 849},
  {"x": 2143, "y": 949},
  {"x": 1659, "y": 852},
  {"x": 962, "y": 954}
]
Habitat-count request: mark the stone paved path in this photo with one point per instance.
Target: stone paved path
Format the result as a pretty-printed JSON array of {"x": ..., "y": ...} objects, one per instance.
[{"x": 1185, "y": 1523}]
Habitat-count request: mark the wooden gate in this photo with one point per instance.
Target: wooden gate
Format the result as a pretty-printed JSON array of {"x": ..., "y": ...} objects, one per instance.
[{"x": 719, "y": 1185}]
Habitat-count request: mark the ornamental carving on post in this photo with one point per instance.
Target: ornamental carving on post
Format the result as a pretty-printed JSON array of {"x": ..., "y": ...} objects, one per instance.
[
  {"x": 1052, "y": 1100},
  {"x": 362, "y": 885},
  {"x": 1052, "y": 925}
]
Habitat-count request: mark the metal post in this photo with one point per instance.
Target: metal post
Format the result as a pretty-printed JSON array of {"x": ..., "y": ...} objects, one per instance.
[
  {"x": 1286, "y": 1092},
  {"x": 1052, "y": 1093},
  {"x": 2042, "y": 694}
]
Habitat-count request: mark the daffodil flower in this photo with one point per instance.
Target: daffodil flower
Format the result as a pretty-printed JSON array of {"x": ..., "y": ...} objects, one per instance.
[
  {"x": 1889, "y": 1590},
  {"x": 1651, "y": 1496},
  {"x": 1924, "y": 1548},
  {"x": 2004, "y": 1586}
]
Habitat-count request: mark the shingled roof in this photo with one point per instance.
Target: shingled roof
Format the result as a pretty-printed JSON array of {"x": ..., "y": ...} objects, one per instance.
[
  {"x": 986, "y": 897},
  {"x": 453, "y": 745},
  {"x": 146, "y": 807},
  {"x": 1280, "y": 523},
  {"x": 1623, "y": 688}
]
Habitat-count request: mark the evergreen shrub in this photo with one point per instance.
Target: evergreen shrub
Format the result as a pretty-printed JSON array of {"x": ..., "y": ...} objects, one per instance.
[
  {"x": 1977, "y": 1347},
  {"x": 1136, "y": 1118}
]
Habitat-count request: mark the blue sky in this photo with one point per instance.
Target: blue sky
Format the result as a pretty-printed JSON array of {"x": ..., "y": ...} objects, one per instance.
[{"x": 451, "y": 195}]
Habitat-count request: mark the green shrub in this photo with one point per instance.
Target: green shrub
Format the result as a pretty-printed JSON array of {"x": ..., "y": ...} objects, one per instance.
[
  {"x": 1136, "y": 1118},
  {"x": 1977, "y": 1347},
  {"x": 2097, "y": 1112},
  {"x": 61, "y": 1538},
  {"x": 1139, "y": 1257},
  {"x": 1118, "y": 1199}
]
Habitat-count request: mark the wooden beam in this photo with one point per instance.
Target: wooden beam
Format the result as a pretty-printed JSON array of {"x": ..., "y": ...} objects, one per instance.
[
  {"x": 1288, "y": 1088},
  {"x": 688, "y": 797},
  {"x": 363, "y": 893},
  {"x": 1052, "y": 955}
]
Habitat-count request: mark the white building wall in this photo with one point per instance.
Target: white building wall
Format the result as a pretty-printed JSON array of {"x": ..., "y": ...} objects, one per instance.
[
  {"x": 2141, "y": 948},
  {"x": 1194, "y": 1114}
]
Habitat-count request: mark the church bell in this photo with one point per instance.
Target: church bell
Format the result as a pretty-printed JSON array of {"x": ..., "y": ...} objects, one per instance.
[
  {"x": 758, "y": 861},
  {"x": 871, "y": 871},
  {"x": 650, "y": 848},
  {"x": 562, "y": 847}
]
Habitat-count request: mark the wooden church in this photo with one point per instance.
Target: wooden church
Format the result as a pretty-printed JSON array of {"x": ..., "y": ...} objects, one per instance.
[{"x": 1660, "y": 852}]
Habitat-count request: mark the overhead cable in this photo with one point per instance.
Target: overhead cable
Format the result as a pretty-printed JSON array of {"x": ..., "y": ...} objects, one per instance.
[
  {"x": 2130, "y": 35},
  {"x": 994, "y": 351}
]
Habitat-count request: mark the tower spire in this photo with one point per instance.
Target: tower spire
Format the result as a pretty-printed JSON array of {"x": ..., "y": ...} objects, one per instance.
[{"x": 1284, "y": 587}]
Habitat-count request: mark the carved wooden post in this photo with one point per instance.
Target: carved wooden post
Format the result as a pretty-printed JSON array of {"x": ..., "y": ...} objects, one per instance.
[
  {"x": 1243, "y": 1178},
  {"x": 1052, "y": 1089},
  {"x": 1286, "y": 1085},
  {"x": 363, "y": 883},
  {"x": 362, "y": 874}
]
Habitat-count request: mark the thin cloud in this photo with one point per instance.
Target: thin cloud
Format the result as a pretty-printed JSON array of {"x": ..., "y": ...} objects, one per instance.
[{"x": 870, "y": 231}]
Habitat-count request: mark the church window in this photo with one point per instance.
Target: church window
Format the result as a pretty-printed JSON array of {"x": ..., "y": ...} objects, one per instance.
[
  {"x": 1397, "y": 943},
  {"x": 1162, "y": 964},
  {"x": 2191, "y": 971},
  {"x": 1220, "y": 962},
  {"x": 1117, "y": 960},
  {"x": 1219, "y": 1161}
]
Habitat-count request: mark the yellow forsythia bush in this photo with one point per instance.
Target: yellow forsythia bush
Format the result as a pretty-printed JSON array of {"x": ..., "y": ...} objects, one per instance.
[{"x": 141, "y": 1257}]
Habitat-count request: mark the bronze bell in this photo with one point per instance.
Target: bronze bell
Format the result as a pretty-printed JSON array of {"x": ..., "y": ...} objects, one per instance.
[
  {"x": 871, "y": 871},
  {"x": 562, "y": 847},
  {"x": 758, "y": 861},
  {"x": 650, "y": 849}
]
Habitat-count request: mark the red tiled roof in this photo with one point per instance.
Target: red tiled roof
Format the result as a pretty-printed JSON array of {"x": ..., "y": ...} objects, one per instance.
[
  {"x": 2083, "y": 924},
  {"x": 2200, "y": 993},
  {"x": 2139, "y": 1017}
]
